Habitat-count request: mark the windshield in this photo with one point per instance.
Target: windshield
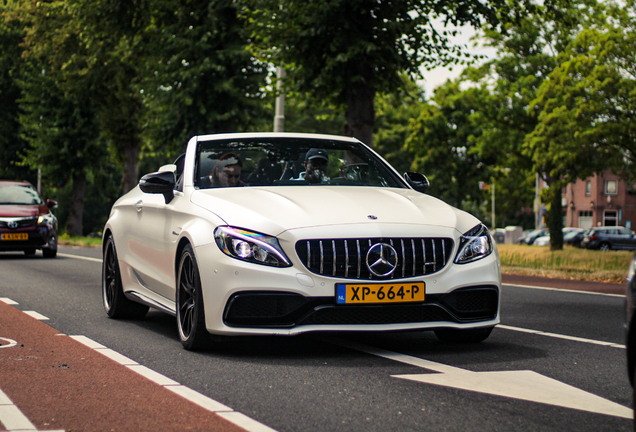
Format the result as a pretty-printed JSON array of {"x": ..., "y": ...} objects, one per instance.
[
  {"x": 275, "y": 161},
  {"x": 19, "y": 195}
]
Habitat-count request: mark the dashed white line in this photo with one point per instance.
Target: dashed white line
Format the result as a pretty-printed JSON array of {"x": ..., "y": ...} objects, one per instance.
[
  {"x": 80, "y": 257},
  {"x": 560, "y": 336},
  {"x": 191, "y": 395},
  {"x": 8, "y": 301},
  {"x": 36, "y": 315},
  {"x": 13, "y": 419},
  {"x": 563, "y": 290}
]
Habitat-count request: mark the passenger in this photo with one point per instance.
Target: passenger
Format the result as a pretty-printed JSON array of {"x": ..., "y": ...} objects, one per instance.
[
  {"x": 316, "y": 163},
  {"x": 227, "y": 171}
]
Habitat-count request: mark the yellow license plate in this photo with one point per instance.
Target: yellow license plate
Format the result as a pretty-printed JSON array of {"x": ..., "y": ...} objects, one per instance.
[
  {"x": 14, "y": 236},
  {"x": 380, "y": 293}
]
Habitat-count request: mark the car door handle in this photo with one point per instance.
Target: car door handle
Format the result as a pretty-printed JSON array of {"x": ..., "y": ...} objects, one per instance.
[{"x": 139, "y": 205}]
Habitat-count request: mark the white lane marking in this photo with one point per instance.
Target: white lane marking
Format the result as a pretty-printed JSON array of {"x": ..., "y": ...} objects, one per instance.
[
  {"x": 187, "y": 393},
  {"x": 245, "y": 422},
  {"x": 12, "y": 418},
  {"x": 8, "y": 301},
  {"x": 151, "y": 375},
  {"x": 7, "y": 343},
  {"x": 560, "y": 336},
  {"x": 80, "y": 257},
  {"x": 564, "y": 290},
  {"x": 200, "y": 399},
  {"x": 36, "y": 315},
  {"x": 525, "y": 385}
]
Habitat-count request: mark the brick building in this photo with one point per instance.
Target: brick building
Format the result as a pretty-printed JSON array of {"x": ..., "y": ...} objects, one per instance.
[{"x": 602, "y": 200}]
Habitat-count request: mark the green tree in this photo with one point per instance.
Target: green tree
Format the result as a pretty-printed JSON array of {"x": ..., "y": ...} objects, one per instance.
[
  {"x": 346, "y": 51},
  {"x": 61, "y": 131},
  {"x": 528, "y": 52},
  {"x": 586, "y": 108},
  {"x": 11, "y": 143},
  {"x": 442, "y": 139},
  {"x": 199, "y": 76},
  {"x": 394, "y": 113}
]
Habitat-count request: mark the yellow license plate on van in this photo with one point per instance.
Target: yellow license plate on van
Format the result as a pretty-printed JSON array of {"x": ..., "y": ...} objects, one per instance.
[{"x": 380, "y": 293}]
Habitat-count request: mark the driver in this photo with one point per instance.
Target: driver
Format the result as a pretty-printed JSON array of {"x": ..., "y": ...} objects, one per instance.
[{"x": 316, "y": 162}]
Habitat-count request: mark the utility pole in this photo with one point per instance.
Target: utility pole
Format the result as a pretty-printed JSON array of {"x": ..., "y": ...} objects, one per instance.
[{"x": 279, "y": 116}]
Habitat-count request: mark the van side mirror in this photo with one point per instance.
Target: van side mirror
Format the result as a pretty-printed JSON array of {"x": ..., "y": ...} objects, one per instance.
[{"x": 417, "y": 181}]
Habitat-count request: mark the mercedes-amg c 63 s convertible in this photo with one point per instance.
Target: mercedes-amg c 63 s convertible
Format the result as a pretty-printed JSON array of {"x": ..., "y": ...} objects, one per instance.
[{"x": 282, "y": 233}]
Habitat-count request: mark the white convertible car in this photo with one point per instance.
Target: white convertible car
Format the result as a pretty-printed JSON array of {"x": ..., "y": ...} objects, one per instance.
[{"x": 281, "y": 234}]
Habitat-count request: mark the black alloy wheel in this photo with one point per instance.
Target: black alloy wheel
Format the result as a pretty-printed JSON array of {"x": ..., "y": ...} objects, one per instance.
[
  {"x": 605, "y": 246},
  {"x": 190, "y": 310},
  {"x": 463, "y": 336},
  {"x": 116, "y": 304}
]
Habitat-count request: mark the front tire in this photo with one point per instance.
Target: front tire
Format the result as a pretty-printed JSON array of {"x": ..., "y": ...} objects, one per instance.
[
  {"x": 463, "y": 336},
  {"x": 189, "y": 299},
  {"x": 116, "y": 304}
]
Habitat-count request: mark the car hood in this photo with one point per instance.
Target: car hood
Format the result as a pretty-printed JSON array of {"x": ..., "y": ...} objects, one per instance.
[
  {"x": 276, "y": 209},
  {"x": 22, "y": 210}
]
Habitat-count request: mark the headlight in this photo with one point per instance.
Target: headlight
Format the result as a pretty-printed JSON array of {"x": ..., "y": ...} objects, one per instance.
[
  {"x": 44, "y": 220},
  {"x": 474, "y": 245},
  {"x": 250, "y": 246}
]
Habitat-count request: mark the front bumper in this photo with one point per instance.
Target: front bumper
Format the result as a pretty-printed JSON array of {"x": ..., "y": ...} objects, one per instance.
[
  {"x": 285, "y": 310},
  {"x": 242, "y": 298},
  {"x": 42, "y": 237}
]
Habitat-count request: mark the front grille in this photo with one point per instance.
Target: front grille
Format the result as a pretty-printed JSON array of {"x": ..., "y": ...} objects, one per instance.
[
  {"x": 22, "y": 223},
  {"x": 347, "y": 258}
]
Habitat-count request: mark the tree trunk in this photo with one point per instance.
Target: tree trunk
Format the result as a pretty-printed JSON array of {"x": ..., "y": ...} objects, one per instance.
[
  {"x": 360, "y": 115},
  {"x": 74, "y": 222},
  {"x": 555, "y": 221},
  {"x": 131, "y": 166}
]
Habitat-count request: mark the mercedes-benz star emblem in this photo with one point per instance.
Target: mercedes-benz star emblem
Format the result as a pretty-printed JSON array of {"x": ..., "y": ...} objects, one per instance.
[
  {"x": 12, "y": 224},
  {"x": 382, "y": 259}
]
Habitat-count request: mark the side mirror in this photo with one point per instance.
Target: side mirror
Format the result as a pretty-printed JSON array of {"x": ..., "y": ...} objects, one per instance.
[
  {"x": 51, "y": 204},
  {"x": 159, "y": 183},
  {"x": 417, "y": 181}
]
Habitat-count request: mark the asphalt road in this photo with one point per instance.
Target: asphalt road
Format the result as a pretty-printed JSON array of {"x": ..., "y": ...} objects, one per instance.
[{"x": 556, "y": 362}]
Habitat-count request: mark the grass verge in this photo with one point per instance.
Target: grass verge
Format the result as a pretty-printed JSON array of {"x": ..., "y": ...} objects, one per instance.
[
  {"x": 67, "y": 240},
  {"x": 569, "y": 263}
]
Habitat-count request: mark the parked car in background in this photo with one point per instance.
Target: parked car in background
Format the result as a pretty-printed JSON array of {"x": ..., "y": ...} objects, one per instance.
[
  {"x": 26, "y": 221},
  {"x": 529, "y": 238},
  {"x": 606, "y": 238},
  {"x": 346, "y": 244},
  {"x": 545, "y": 240},
  {"x": 574, "y": 238}
]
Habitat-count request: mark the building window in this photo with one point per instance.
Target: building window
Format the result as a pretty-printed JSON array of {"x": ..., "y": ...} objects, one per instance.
[
  {"x": 588, "y": 188},
  {"x": 611, "y": 187},
  {"x": 586, "y": 219},
  {"x": 610, "y": 218}
]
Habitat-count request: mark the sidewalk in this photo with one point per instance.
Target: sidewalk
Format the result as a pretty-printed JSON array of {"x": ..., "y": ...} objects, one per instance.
[{"x": 57, "y": 383}]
